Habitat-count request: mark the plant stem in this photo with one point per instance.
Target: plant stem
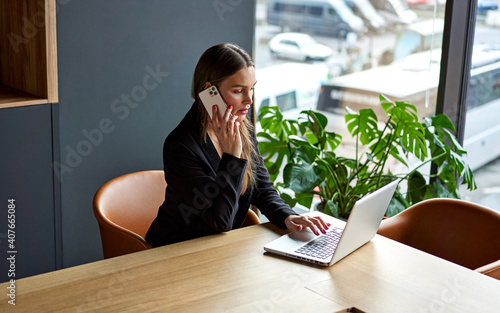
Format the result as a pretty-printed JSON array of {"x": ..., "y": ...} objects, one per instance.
[
  {"x": 332, "y": 172},
  {"x": 387, "y": 149},
  {"x": 423, "y": 163},
  {"x": 381, "y": 135}
]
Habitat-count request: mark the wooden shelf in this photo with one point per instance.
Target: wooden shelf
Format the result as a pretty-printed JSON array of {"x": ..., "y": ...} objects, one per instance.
[
  {"x": 11, "y": 97},
  {"x": 28, "y": 53}
]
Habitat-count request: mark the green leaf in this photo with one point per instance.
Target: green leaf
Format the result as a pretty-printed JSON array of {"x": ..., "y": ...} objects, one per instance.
[
  {"x": 301, "y": 178},
  {"x": 417, "y": 188},
  {"x": 413, "y": 139},
  {"x": 384, "y": 145},
  {"x": 333, "y": 140},
  {"x": 317, "y": 118},
  {"x": 274, "y": 152},
  {"x": 288, "y": 199},
  {"x": 400, "y": 197},
  {"x": 363, "y": 125},
  {"x": 304, "y": 199},
  {"x": 441, "y": 191},
  {"x": 331, "y": 208},
  {"x": 311, "y": 138},
  {"x": 271, "y": 120},
  {"x": 402, "y": 111},
  {"x": 442, "y": 121},
  {"x": 447, "y": 175},
  {"x": 456, "y": 146},
  {"x": 305, "y": 153},
  {"x": 395, "y": 207}
]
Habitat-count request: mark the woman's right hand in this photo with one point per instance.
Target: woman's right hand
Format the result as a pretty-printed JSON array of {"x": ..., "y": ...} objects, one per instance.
[
  {"x": 227, "y": 130},
  {"x": 300, "y": 222}
]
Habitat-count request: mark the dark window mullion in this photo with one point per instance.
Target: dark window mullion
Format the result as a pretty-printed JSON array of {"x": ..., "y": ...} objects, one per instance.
[{"x": 458, "y": 40}]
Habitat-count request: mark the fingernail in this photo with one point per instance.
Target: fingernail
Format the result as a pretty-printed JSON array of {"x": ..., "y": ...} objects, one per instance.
[
  {"x": 299, "y": 227},
  {"x": 230, "y": 107},
  {"x": 316, "y": 232},
  {"x": 323, "y": 231},
  {"x": 214, "y": 107}
]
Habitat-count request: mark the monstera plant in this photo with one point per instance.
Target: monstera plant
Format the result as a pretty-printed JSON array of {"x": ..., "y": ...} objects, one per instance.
[{"x": 301, "y": 157}]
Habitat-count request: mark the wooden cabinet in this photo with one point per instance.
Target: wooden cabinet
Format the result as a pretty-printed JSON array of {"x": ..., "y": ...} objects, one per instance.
[{"x": 28, "y": 52}]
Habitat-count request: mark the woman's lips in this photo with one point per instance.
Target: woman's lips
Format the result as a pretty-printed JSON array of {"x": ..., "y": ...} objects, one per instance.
[{"x": 245, "y": 111}]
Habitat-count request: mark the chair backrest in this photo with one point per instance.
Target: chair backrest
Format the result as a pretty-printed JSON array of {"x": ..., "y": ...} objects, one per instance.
[
  {"x": 459, "y": 231},
  {"x": 251, "y": 219},
  {"x": 125, "y": 207}
]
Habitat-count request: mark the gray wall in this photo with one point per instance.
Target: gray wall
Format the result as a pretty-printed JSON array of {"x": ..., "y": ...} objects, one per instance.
[
  {"x": 113, "y": 112},
  {"x": 26, "y": 177},
  {"x": 106, "y": 50}
]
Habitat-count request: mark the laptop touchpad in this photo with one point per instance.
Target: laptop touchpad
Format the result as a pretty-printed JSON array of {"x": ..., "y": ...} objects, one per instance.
[{"x": 305, "y": 235}]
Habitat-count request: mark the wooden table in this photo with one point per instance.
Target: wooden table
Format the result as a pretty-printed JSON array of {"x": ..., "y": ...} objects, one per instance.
[{"x": 230, "y": 272}]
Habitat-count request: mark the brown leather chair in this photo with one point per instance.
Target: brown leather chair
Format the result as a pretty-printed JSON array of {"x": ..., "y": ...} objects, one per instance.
[
  {"x": 125, "y": 207},
  {"x": 459, "y": 231},
  {"x": 251, "y": 219}
]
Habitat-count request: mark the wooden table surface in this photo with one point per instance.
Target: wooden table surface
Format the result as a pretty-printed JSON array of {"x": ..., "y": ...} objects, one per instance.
[{"x": 230, "y": 272}]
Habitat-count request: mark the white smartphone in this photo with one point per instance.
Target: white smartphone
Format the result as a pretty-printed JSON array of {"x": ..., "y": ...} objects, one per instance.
[{"x": 210, "y": 97}]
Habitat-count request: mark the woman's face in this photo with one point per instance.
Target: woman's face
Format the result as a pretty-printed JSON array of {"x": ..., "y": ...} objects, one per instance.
[{"x": 237, "y": 90}]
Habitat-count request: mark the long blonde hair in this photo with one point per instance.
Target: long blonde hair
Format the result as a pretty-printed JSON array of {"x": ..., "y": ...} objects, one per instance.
[{"x": 216, "y": 64}]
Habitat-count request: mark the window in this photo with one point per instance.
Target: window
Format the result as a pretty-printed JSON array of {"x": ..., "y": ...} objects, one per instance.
[
  {"x": 481, "y": 134},
  {"x": 287, "y": 101},
  {"x": 484, "y": 86},
  {"x": 422, "y": 67},
  {"x": 290, "y": 8},
  {"x": 332, "y": 13},
  {"x": 289, "y": 43},
  {"x": 315, "y": 10}
]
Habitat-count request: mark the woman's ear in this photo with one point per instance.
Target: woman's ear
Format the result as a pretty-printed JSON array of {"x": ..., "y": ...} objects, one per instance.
[{"x": 207, "y": 84}]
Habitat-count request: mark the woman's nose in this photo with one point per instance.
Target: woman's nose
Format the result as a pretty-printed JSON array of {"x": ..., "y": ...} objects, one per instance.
[{"x": 248, "y": 97}]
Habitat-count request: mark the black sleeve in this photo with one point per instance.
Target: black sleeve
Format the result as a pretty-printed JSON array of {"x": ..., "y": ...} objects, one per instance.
[{"x": 267, "y": 199}]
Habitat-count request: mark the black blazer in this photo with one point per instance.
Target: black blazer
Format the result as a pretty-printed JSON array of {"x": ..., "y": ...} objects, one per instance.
[{"x": 203, "y": 190}]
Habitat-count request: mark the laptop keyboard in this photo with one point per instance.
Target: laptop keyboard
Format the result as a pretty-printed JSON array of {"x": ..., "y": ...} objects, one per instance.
[{"x": 323, "y": 246}]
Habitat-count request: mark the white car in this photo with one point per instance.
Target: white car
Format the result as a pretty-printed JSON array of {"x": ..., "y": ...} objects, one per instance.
[{"x": 298, "y": 46}]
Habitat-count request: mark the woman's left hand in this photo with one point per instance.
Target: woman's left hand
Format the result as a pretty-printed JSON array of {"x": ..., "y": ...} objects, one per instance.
[{"x": 299, "y": 222}]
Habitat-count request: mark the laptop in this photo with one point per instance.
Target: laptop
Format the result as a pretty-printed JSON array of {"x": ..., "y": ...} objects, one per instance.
[{"x": 341, "y": 238}]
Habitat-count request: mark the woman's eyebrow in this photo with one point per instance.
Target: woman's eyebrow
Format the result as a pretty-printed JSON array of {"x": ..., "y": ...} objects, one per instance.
[{"x": 241, "y": 86}]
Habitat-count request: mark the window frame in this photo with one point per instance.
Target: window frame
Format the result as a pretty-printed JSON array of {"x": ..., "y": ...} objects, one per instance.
[{"x": 458, "y": 41}]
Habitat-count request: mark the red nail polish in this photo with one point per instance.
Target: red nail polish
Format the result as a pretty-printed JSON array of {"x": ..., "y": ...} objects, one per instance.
[
  {"x": 230, "y": 107},
  {"x": 214, "y": 107}
]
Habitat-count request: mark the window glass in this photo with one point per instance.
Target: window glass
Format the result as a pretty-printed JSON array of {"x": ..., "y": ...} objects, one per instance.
[
  {"x": 482, "y": 127},
  {"x": 388, "y": 53},
  {"x": 287, "y": 101},
  {"x": 374, "y": 47},
  {"x": 332, "y": 12},
  {"x": 264, "y": 103},
  {"x": 316, "y": 10},
  {"x": 407, "y": 43}
]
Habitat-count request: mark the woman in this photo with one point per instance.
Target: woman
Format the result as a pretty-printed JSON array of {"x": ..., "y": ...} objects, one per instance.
[{"x": 212, "y": 167}]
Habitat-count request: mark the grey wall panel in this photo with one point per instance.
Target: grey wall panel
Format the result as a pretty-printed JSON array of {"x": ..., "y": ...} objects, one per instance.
[
  {"x": 26, "y": 177},
  {"x": 114, "y": 111}
]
